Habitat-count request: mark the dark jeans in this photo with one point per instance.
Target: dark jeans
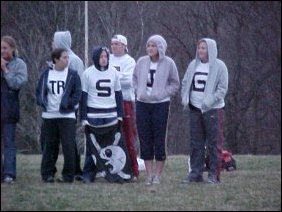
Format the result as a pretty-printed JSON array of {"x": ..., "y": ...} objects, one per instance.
[
  {"x": 8, "y": 150},
  {"x": 66, "y": 129},
  {"x": 151, "y": 122},
  {"x": 89, "y": 169},
  {"x": 78, "y": 170},
  {"x": 205, "y": 130}
]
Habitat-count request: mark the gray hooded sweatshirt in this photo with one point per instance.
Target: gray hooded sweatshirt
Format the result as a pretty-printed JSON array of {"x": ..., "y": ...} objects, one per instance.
[
  {"x": 166, "y": 82},
  {"x": 17, "y": 74},
  {"x": 217, "y": 82},
  {"x": 63, "y": 40}
]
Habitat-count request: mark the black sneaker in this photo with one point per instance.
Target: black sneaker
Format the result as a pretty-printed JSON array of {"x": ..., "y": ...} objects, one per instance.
[
  {"x": 188, "y": 180},
  {"x": 87, "y": 181},
  {"x": 49, "y": 179},
  {"x": 62, "y": 180},
  {"x": 78, "y": 177}
]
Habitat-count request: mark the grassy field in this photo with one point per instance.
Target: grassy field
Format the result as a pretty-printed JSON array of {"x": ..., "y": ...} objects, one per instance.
[{"x": 255, "y": 185}]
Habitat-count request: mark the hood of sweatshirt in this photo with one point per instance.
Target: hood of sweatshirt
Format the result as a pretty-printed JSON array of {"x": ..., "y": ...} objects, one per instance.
[
  {"x": 62, "y": 39},
  {"x": 161, "y": 44},
  {"x": 96, "y": 56},
  {"x": 212, "y": 50}
]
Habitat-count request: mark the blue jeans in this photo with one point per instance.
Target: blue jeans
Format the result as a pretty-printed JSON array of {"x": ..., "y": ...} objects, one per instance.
[{"x": 9, "y": 149}]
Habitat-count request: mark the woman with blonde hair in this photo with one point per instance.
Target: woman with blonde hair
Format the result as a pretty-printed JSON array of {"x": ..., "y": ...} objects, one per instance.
[{"x": 13, "y": 77}]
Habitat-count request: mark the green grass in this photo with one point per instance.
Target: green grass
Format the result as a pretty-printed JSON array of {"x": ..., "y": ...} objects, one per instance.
[{"x": 255, "y": 185}]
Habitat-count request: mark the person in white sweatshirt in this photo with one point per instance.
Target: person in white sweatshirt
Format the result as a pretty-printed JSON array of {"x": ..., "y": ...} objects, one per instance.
[
  {"x": 204, "y": 87},
  {"x": 125, "y": 65}
]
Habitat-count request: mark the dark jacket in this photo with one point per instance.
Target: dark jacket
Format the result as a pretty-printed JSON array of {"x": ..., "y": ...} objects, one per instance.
[
  {"x": 11, "y": 83},
  {"x": 71, "y": 96}
]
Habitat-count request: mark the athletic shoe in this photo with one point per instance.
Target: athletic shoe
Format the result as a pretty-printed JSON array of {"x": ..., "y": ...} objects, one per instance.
[
  {"x": 78, "y": 177},
  {"x": 101, "y": 174},
  {"x": 148, "y": 181},
  {"x": 134, "y": 179},
  {"x": 9, "y": 180},
  {"x": 156, "y": 180},
  {"x": 62, "y": 180},
  {"x": 87, "y": 180},
  {"x": 49, "y": 179},
  {"x": 212, "y": 180},
  {"x": 188, "y": 180}
]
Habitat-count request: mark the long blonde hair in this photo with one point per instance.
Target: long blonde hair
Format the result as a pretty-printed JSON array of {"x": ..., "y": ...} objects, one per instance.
[{"x": 12, "y": 43}]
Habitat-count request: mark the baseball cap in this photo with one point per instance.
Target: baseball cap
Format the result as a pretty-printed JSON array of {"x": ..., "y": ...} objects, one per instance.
[{"x": 120, "y": 38}]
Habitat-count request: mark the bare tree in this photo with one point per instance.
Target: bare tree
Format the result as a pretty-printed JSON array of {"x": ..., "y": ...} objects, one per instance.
[{"x": 248, "y": 35}]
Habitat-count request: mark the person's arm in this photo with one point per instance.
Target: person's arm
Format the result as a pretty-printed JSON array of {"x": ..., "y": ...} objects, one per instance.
[
  {"x": 134, "y": 77},
  {"x": 77, "y": 91},
  {"x": 221, "y": 89},
  {"x": 119, "y": 102},
  {"x": 4, "y": 65},
  {"x": 185, "y": 87},
  {"x": 16, "y": 79},
  {"x": 83, "y": 99},
  {"x": 119, "y": 98},
  {"x": 222, "y": 86},
  {"x": 40, "y": 90},
  {"x": 173, "y": 81},
  {"x": 127, "y": 74}
]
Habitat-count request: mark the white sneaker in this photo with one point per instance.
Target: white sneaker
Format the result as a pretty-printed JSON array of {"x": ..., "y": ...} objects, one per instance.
[
  {"x": 100, "y": 174},
  {"x": 9, "y": 180},
  {"x": 134, "y": 179},
  {"x": 156, "y": 180},
  {"x": 141, "y": 164},
  {"x": 148, "y": 181}
]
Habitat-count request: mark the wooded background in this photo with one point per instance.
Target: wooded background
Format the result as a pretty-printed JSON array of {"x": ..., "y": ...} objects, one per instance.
[{"x": 248, "y": 36}]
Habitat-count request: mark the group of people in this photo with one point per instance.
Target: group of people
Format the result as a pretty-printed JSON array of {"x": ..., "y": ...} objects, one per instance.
[{"x": 111, "y": 98}]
